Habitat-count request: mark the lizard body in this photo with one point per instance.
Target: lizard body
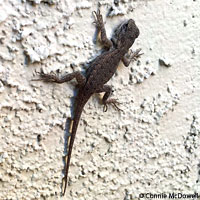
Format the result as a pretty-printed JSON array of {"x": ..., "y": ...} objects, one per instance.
[{"x": 99, "y": 73}]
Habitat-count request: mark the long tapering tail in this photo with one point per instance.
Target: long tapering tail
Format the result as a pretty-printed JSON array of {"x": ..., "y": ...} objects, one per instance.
[{"x": 78, "y": 111}]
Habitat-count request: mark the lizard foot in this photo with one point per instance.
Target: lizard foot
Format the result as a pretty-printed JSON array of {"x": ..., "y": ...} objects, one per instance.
[
  {"x": 113, "y": 102},
  {"x": 98, "y": 18},
  {"x": 136, "y": 54},
  {"x": 46, "y": 77}
]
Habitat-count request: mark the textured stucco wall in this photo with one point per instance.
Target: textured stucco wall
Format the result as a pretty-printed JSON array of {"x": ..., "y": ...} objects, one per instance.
[{"x": 153, "y": 145}]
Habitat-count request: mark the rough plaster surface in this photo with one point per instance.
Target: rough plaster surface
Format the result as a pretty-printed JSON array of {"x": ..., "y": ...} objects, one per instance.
[{"x": 152, "y": 146}]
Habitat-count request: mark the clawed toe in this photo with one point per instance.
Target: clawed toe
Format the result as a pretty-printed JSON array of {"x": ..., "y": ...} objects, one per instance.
[
  {"x": 96, "y": 14},
  {"x": 116, "y": 107}
]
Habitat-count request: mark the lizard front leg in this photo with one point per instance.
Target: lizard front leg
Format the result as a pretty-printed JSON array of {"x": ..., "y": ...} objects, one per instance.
[
  {"x": 134, "y": 56},
  {"x": 101, "y": 28},
  {"x": 108, "y": 91},
  {"x": 80, "y": 78}
]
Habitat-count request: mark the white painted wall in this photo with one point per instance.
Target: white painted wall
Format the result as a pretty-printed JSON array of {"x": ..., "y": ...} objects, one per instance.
[{"x": 152, "y": 146}]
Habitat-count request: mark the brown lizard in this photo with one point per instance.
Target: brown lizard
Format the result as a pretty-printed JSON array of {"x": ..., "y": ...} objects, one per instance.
[{"x": 99, "y": 73}]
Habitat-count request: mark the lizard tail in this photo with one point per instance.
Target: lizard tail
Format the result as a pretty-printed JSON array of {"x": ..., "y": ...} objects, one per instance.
[{"x": 77, "y": 115}]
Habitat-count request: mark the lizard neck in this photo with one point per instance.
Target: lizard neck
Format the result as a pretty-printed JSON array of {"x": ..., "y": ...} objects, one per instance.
[
  {"x": 122, "y": 51},
  {"x": 123, "y": 47}
]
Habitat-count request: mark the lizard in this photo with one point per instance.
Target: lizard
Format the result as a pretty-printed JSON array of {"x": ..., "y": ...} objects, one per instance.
[{"x": 101, "y": 70}]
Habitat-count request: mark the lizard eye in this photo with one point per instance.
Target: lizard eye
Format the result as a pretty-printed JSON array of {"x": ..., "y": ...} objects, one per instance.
[{"x": 125, "y": 26}]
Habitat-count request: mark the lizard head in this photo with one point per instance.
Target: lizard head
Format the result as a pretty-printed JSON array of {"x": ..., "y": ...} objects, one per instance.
[{"x": 126, "y": 33}]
